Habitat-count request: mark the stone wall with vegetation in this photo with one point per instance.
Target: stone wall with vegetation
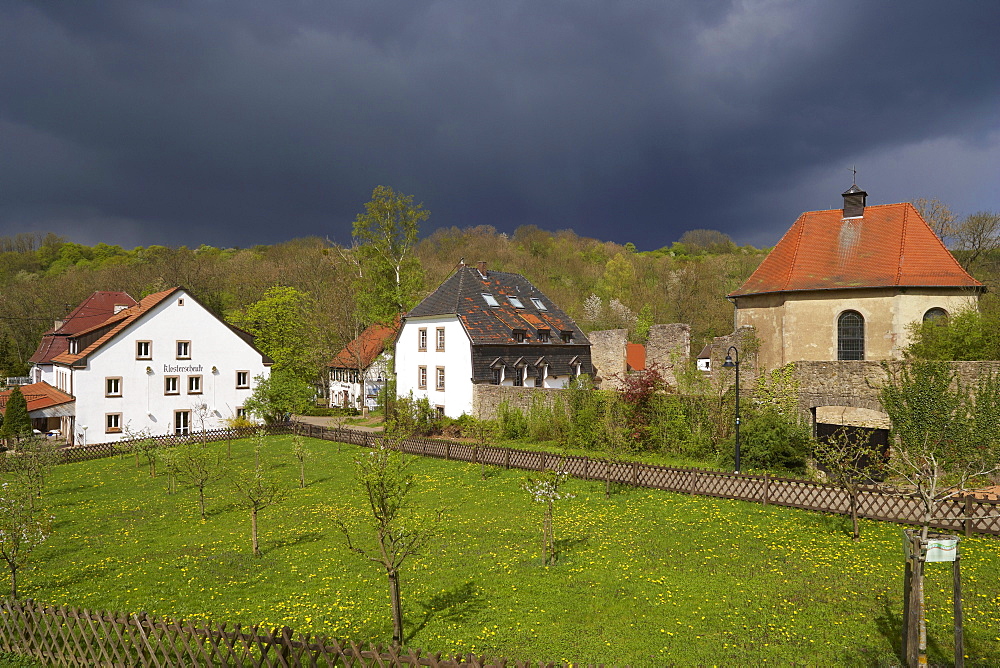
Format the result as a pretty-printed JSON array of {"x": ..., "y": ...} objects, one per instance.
[
  {"x": 486, "y": 399},
  {"x": 607, "y": 352},
  {"x": 669, "y": 346}
]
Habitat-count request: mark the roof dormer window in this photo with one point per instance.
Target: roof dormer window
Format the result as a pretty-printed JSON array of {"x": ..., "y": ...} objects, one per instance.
[
  {"x": 519, "y": 335},
  {"x": 543, "y": 336},
  {"x": 515, "y": 302},
  {"x": 538, "y": 304},
  {"x": 567, "y": 336},
  {"x": 490, "y": 299}
]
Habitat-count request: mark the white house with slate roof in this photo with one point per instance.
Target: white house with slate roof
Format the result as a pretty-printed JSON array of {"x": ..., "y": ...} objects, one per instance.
[
  {"x": 166, "y": 365},
  {"x": 486, "y": 327}
]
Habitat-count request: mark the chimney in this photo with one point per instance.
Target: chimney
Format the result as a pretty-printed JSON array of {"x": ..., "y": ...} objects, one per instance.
[
  {"x": 481, "y": 265},
  {"x": 854, "y": 202}
]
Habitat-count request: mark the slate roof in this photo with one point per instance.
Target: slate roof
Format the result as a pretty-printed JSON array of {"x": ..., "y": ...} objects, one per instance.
[
  {"x": 37, "y": 396},
  {"x": 889, "y": 246},
  {"x": 93, "y": 310},
  {"x": 101, "y": 333},
  {"x": 369, "y": 345},
  {"x": 462, "y": 295}
]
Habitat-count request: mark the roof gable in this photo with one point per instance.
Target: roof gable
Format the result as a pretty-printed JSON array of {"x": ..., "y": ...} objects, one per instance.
[
  {"x": 366, "y": 347},
  {"x": 92, "y": 312},
  {"x": 462, "y": 295},
  {"x": 889, "y": 246},
  {"x": 108, "y": 330}
]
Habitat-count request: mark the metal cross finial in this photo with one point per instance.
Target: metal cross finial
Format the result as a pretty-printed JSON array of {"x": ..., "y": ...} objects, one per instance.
[{"x": 854, "y": 169}]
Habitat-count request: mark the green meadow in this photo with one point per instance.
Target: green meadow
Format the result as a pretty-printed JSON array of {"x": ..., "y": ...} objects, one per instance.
[{"x": 645, "y": 578}]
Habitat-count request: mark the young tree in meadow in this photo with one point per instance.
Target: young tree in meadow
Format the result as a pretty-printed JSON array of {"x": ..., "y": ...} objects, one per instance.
[
  {"x": 387, "y": 487},
  {"x": 31, "y": 464},
  {"x": 850, "y": 463},
  {"x": 389, "y": 275},
  {"x": 24, "y": 525},
  {"x": 484, "y": 433},
  {"x": 144, "y": 445},
  {"x": 199, "y": 466},
  {"x": 255, "y": 492},
  {"x": 546, "y": 489},
  {"x": 301, "y": 455}
]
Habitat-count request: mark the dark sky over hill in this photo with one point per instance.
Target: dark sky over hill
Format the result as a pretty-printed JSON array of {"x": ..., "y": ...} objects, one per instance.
[{"x": 234, "y": 123}]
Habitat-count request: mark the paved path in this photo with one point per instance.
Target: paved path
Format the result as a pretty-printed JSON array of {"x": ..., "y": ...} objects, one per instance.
[{"x": 331, "y": 422}]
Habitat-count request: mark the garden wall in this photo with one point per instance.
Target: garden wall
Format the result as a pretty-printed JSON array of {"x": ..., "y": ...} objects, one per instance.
[{"x": 486, "y": 399}]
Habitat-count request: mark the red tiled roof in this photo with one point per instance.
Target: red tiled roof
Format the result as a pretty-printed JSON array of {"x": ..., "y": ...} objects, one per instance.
[
  {"x": 94, "y": 310},
  {"x": 889, "y": 246},
  {"x": 369, "y": 345},
  {"x": 117, "y": 322},
  {"x": 635, "y": 356},
  {"x": 38, "y": 396}
]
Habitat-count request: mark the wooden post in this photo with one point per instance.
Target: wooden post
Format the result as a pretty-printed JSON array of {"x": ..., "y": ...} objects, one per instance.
[
  {"x": 635, "y": 474},
  {"x": 956, "y": 593},
  {"x": 447, "y": 450},
  {"x": 506, "y": 458},
  {"x": 586, "y": 468},
  {"x": 968, "y": 516},
  {"x": 767, "y": 489},
  {"x": 542, "y": 468}
]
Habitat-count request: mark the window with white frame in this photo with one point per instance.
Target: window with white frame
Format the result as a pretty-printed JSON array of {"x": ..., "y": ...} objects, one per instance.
[
  {"x": 144, "y": 350},
  {"x": 518, "y": 335},
  {"x": 182, "y": 423},
  {"x": 439, "y": 338},
  {"x": 543, "y": 336},
  {"x": 194, "y": 384},
  {"x": 421, "y": 378},
  {"x": 113, "y": 386},
  {"x": 539, "y": 304},
  {"x": 241, "y": 412},
  {"x": 422, "y": 338},
  {"x": 490, "y": 299},
  {"x": 515, "y": 302},
  {"x": 112, "y": 423},
  {"x": 439, "y": 384},
  {"x": 242, "y": 380},
  {"x": 171, "y": 385},
  {"x": 183, "y": 350},
  {"x": 518, "y": 377},
  {"x": 567, "y": 336}
]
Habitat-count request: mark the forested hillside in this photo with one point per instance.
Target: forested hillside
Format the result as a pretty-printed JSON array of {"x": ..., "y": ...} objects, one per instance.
[{"x": 601, "y": 284}]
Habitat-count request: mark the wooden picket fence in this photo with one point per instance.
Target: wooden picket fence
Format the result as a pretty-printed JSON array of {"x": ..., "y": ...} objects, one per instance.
[
  {"x": 84, "y": 453},
  {"x": 65, "y": 636},
  {"x": 970, "y": 514}
]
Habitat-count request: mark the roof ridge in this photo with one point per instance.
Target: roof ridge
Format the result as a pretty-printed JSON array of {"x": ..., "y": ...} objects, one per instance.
[
  {"x": 795, "y": 251},
  {"x": 902, "y": 247}
]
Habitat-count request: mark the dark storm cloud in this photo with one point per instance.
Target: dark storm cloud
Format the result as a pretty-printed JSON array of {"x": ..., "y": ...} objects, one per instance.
[{"x": 237, "y": 123}]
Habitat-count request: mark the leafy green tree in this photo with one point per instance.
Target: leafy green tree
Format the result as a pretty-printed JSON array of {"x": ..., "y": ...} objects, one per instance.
[
  {"x": 16, "y": 422},
  {"x": 277, "y": 396},
  {"x": 387, "y": 486},
  {"x": 967, "y": 335},
  {"x": 283, "y": 323},
  {"x": 390, "y": 277}
]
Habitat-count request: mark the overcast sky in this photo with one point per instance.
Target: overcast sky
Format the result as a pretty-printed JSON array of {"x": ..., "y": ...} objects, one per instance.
[{"x": 245, "y": 122}]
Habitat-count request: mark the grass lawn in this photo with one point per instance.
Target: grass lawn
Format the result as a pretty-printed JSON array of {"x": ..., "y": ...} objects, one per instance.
[{"x": 645, "y": 578}]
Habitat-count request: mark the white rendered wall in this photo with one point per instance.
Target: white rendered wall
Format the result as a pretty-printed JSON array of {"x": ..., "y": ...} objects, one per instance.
[
  {"x": 215, "y": 349},
  {"x": 456, "y": 360}
]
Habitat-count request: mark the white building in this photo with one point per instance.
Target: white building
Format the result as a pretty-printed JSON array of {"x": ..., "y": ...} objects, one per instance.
[
  {"x": 166, "y": 365},
  {"x": 358, "y": 372},
  {"x": 483, "y": 327}
]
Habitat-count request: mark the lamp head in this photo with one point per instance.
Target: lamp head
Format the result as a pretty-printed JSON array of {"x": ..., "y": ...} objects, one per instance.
[{"x": 728, "y": 364}]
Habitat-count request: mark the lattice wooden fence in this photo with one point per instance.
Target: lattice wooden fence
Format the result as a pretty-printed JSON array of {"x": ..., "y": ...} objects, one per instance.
[
  {"x": 64, "y": 636},
  {"x": 972, "y": 514},
  {"x": 99, "y": 450}
]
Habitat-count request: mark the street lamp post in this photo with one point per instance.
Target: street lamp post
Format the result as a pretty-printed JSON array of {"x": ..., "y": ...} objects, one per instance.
[{"x": 730, "y": 364}]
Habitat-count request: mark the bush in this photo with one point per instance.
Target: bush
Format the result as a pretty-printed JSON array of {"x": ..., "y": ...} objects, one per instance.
[
  {"x": 771, "y": 440},
  {"x": 513, "y": 423}
]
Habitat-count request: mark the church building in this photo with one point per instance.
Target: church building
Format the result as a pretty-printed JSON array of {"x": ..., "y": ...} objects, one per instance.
[{"x": 847, "y": 284}]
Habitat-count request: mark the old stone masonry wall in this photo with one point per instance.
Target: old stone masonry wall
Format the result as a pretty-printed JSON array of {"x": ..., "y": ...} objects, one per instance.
[{"x": 486, "y": 399}]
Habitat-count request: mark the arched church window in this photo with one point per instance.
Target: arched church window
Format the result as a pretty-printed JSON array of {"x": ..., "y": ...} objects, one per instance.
[
  {"x": 850, "y": 336},
  {"x": 935, "y": 314}
]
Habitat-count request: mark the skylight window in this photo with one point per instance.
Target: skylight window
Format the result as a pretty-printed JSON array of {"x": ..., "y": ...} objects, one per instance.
[
  {"x": 515, "y": 301},
  {"x": 490, "y": 299},
  {"x": 538, "y": 304}
]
